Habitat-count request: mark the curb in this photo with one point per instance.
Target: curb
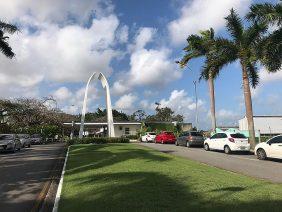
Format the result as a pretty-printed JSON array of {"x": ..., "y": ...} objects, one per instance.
[{"x": 59, "y": 191}]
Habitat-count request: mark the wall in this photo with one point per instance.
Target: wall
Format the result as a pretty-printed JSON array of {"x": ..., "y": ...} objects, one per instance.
[{"x": 120, "y": 129}]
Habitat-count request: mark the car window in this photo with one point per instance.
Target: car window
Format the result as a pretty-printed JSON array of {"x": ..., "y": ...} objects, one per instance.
[
  {"x": 4, "y": 137},
  {"x": 222, "y": 135},
  {"x": 238, "y": 135},
  {"x": 275, "y": 140},
  {"x": 196, "y": 134},
  {"x": 152, "y": 133},
  {"x": 214, "y": 136}
]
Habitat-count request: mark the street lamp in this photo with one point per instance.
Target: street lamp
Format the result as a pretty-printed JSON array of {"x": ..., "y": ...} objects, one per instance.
[{"x": 196, "y": 97}]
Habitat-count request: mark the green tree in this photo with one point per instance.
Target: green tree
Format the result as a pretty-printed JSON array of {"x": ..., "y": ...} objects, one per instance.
[
  {"x": 198, "y": 46},
  {"x": 4, "y": 45},
  {"x": 271, "y": 48},
  {"x": 245, "y": 45}
]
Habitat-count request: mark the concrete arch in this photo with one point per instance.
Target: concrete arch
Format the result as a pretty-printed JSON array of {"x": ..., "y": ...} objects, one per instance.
[{"x": 105, "y": 85}]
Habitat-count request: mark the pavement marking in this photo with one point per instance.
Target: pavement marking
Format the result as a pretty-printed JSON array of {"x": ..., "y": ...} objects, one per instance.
[{"x": 59, "y": 190}]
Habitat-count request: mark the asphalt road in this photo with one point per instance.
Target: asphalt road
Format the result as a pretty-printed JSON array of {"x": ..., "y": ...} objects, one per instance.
[
  {"x": 244, "y": 163},
  {"x": 26, "y": 176}
]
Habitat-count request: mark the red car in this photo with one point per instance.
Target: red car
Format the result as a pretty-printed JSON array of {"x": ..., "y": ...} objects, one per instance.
[{"x": 165, "y": 137}]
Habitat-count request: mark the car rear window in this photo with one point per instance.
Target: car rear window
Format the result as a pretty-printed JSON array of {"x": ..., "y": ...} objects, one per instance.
[
  {"x": 169, "y": 133},
  {"x": 4, "y": 137},
  {"x": 152, "y": 133},
  {"x": 196, "y": 134},
  {"x": 238, "y": 135}
]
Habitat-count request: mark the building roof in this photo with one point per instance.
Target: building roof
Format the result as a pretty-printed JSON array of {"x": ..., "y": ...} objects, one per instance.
[
  {"x": 105, "y": 123},
  {"x": 266, "y": 116}
]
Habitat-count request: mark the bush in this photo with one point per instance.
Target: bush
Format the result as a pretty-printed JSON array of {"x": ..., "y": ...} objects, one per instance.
[
  {"x": 96, "y": 140},
  {"x": 131, "y": 136}
]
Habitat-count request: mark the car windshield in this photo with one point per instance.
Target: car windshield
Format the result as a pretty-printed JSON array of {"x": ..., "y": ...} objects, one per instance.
[
  {"x": 152, "y": 133},
  {"x": 196, "y": 134},
  {"x": 5, "y": 137},
  {"x": 35, "y": 136},
  {"x": 238, "y": 135},
  {"x": 21, "y": 135}
]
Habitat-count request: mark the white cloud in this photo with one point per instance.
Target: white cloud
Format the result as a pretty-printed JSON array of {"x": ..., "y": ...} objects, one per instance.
[
  {"x": 55, "y": 11},
  {"x": 227, "y": 117},
  {"x": 266, "y": 77},
  {"x": 126, "y": 102},
  {"x": 198, "y": 15},
  {"x": 122, "y": 34},
  {"x": 62, "y": 93}
]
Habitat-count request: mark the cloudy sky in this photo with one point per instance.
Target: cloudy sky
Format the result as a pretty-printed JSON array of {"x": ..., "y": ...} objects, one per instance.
[{"x": 134, "y": 43}]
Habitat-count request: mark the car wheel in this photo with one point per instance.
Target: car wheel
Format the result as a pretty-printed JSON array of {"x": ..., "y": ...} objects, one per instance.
[
  {"x": 176, "y": 143},
  {"x": 227, "y": 150},
  {"x": 261, "y": 154},
  {"x": 187, "y": 144},
  {"x": 29, "y": 145},
  {"x": 206, "y": 146}
]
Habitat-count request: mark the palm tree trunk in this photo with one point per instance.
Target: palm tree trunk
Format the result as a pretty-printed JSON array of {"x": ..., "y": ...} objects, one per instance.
[
  {"x": 212, "y": 103},
  {"x": 249, "y": 107}
]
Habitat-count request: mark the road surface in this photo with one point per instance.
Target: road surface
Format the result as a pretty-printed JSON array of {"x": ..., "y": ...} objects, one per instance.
[
  {"x": 243, "y": 163},
  {"x": 26, "y": 177}
]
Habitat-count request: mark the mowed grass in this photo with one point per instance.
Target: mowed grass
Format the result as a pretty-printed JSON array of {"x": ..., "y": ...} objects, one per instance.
[{"x": 129, "y": 177}]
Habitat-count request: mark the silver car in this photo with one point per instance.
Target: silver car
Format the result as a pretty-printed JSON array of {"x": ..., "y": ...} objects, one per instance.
[
  {"x": 9, "y": 142},
  {"x": 190, "y": 138},
  {"x": 36, "y": 139},
  {"x": 25, "y": 140}
]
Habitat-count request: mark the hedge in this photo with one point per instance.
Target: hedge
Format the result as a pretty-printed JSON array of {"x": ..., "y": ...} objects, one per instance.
[{"x": 96, "y": 140}]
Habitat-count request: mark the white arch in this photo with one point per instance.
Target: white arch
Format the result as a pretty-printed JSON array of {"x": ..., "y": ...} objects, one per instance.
[{"x": 105, "y": 85}]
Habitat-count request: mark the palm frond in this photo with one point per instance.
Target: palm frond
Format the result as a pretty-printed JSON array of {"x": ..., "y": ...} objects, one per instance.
[
  {"x": 252, "y": 74},
  {"x": 8, "y": 27},
  {"x": 187, "y": 57},
  {"x": 268, "y": 13},
  {"x": 234, "y": 25},
  {"x": 6, "y": 49},
  {"x": 254, "y": 33}
]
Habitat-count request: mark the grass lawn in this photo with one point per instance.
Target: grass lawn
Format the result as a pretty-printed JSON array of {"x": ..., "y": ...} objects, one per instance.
[{"x": 128, "y": 177}]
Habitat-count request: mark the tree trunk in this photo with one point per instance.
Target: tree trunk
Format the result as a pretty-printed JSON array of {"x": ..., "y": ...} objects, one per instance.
[
  {"x": 249, "y": 107},
  {"x": 212, "y": 102}
]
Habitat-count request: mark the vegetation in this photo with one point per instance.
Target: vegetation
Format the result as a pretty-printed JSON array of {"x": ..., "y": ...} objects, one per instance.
[
  {"x": 4, "y": 45},
  {"x": 198, "y": 46},
  {"x": 122, "y": 177},
  {"x": 97, "y": 140}
]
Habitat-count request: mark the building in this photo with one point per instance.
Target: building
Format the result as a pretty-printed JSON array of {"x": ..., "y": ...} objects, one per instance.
[
  {"x": 100, "y": 128},
  {"x": 265, "y": 125}
]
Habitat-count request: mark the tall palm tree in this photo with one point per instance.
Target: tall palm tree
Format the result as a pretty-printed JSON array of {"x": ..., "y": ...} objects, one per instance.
[
  {"x": 245, "y": 45},
  {"x": 199, "y": 46},
  {"x": 4, "y": 45},
  {"x": 271, "y": 50}
]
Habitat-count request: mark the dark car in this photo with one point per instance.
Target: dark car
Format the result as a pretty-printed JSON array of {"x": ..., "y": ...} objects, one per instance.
[
  {"x": 9, "y": 142},
  {"x": 190, "y": 138},
  {"x": 165, "y": 137},
  {"x": 36, "y": 139}
]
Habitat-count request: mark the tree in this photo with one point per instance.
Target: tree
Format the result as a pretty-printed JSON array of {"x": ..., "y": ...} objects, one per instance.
[
  {"x": 245, "y": 45},
  {"x": 4, "y": 45},
  {"x": 139, "y": 115},
  {"x": 164, "y": 114},
  {"x": 271, "y": 48},
  {"x": 198, "y": 46}
]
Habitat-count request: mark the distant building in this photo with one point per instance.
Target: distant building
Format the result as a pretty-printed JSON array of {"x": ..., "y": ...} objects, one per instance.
[{"x": 265, "y": 125}]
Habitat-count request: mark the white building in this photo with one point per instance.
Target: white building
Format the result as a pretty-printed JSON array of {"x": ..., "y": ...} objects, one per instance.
[{"x": 266, "y": 125}]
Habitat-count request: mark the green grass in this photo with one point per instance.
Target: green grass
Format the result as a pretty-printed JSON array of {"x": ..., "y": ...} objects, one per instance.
[{"x": 128, "y": 177}]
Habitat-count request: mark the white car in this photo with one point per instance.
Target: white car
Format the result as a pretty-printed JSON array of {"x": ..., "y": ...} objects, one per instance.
[
  {"x": 270, "y": 149},
  {"x": 227, "y": 142},
  {"x": 148, "y": 137}
]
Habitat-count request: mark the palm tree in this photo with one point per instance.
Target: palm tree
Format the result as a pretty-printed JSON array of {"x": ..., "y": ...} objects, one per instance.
[
  {"x": 199, "y": 46},
  {"x": 4, "y": 45},
  {"x": 271, "y": 50},
  {"x": 246, "y": 45}
]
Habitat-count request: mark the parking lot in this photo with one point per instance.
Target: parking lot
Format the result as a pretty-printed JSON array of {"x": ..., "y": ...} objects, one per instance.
[
  {"x": 26, "y": 176},
  {"x": 244, "y": 163}
]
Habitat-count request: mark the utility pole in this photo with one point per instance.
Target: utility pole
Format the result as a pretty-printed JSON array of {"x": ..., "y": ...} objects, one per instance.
[{"x": 196, "y": 97}]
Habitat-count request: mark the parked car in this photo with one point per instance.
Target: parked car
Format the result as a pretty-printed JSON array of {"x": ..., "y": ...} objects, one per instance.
[
  {"x": 272, "y": 148},
  {"x": 9, "y": 142},
  {"x": 165, "y": 137},
  {"x": 148, "y": 137},
  {"x": 227, "y": 142},
  {"x": 190, "y": 138},
  {"x": 25, "y": 140},
  {"x": 36, "y": 139}
]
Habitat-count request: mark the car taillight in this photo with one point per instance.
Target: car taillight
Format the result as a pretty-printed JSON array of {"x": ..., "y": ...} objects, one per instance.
[{"x": 231, "y": 140}]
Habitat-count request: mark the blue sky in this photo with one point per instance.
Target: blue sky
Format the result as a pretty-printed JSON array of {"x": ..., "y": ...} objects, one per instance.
[{"x": 135, "y": 44}]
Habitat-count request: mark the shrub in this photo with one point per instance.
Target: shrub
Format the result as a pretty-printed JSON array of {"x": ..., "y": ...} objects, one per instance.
[
  {"x": 96, "y": 140},
  {"x": 131, "y": 136}
]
